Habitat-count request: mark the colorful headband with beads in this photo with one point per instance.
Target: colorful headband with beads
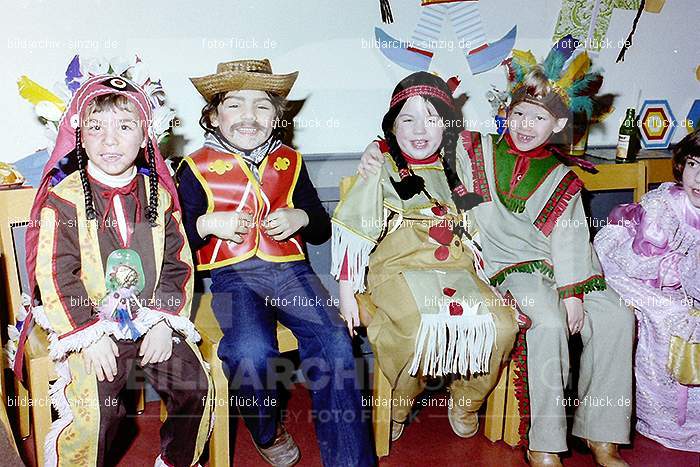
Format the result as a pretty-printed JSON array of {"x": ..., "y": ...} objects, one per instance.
[{"x": 422, "y": 90}]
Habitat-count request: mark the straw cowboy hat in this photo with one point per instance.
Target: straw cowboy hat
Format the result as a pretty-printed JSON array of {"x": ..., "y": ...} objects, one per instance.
[{"x": 244, "y": 74}]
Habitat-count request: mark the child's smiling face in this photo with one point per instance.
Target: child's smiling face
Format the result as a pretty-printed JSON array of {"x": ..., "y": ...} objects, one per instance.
[
  {"x": 418, "y": 128},
  {"x": 112, "y": 138},
  {"x": 531, "y": 125},
  {"x": 691, "y": 180},
  {"x": 245, "y": 118}
]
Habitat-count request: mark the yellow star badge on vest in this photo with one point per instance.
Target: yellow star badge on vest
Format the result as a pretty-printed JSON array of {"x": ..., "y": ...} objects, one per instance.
[
  {"x": 220, "y": 167},
  {"x": 281, "y": 163}
]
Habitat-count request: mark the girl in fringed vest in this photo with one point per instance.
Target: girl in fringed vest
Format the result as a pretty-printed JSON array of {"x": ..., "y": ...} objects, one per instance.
[
  {"x": 433, "y": 314},
  {"x": 108, "y": 253},
  {"x": 536, "y": 246}
]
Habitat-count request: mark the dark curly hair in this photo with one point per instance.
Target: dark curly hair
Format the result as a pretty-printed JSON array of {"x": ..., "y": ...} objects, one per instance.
[{"x": 685, "y": 149}]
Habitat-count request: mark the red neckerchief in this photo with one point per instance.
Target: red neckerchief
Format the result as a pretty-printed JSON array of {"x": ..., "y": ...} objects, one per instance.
[
  {"x": 130, "y": 189},
  {"x": 426, "y": 161},
  {"x": 384, "y": 147},
  {"x": 523, "y": 158}
]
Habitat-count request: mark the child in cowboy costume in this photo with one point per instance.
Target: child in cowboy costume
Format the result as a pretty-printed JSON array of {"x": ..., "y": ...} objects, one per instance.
[
  {"x": 434, "y": 315},
  {"x": 109, "y": 255},
  {"x": 249, "y": 207},
  {"x": 535, "y": 241}
]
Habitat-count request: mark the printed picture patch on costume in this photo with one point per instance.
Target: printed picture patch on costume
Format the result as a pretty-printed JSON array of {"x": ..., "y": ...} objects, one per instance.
[
  {"x": 220, "y": 167},
  {"x": 124, "y": 281},
  {"x": 281, "y": 163}
]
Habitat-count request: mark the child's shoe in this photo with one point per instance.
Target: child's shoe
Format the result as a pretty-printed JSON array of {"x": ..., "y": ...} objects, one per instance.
[
  {"x": 283, "y": 452},
  {"x": 606, "y": 454},
  {"x": 543, "y": 459},
  {"x": 396, "y": 430},
  {"x": 464, "y": 423}
]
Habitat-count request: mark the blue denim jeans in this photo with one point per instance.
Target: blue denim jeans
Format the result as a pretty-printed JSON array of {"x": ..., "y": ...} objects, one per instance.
[{"x": 248, "y": 300}]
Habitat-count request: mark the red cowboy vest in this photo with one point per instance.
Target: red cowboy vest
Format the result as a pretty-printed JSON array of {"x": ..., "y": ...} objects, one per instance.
[{"x": 231, "y": 186}]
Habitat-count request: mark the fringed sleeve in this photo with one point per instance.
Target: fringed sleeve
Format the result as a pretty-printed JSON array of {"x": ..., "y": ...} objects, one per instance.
[
  {"x": 576, "y": 268},
  {"x": 358, "y": 222}
]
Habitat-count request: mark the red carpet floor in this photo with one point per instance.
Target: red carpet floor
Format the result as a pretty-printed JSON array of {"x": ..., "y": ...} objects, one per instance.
[{"x": 428, "y": 441}]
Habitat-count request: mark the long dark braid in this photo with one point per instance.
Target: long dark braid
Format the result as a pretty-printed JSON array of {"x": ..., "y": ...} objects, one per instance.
[
  {"x": 152, "y": 211},
  {"x": 449, "y": 156},
  {"x": 410, "y": 184},
  {"x": 463, "y": 199},
  {"x": 87, "y": 191}
]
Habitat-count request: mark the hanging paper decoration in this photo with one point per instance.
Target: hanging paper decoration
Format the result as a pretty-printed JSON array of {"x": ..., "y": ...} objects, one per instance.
[
  {"x": 588, "y": 21},
  {"x": 464, "y": 16},
  {"x": 656, "y": 124}
]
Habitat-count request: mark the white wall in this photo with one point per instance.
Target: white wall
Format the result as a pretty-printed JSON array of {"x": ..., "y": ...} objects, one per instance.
[{"x": 346, "y": 85}]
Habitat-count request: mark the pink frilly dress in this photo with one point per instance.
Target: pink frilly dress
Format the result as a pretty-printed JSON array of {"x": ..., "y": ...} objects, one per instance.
[{"x": 650, "y": 254}]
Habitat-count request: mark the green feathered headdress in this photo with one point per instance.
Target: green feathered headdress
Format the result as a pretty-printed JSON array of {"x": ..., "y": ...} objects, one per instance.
[{"x": 572, "y": 89}]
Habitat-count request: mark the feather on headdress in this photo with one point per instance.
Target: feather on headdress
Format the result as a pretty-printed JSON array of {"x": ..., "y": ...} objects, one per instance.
[{"x": 572, "y": 87}]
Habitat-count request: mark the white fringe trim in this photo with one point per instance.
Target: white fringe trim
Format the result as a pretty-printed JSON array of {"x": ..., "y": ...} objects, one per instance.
[
  {"x": 357, "y": 250},
  {"x": 60, "y": 348},
  {"x": 146, "y": 318},
  {"x": 454, "y": 344},
  {"x": 59, "y": 401}
]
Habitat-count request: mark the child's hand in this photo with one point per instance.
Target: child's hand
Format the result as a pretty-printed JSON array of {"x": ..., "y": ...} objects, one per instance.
[
  {"x": 157, "y": 344},
  {"x": 348, "y": 307},
  {"x": 372, "y": 160},
  {"x": 226, "y": 225},
  {"x": 101, "y": 356},
  {"x": 574, "y": 314},
  {"x": 285, "y": 222}
]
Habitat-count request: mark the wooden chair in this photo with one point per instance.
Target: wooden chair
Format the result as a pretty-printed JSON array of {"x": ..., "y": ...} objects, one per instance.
[
  {"x": 502, "y": 418},
  {"x": 15, "y": 206},
  {"x": 381, "y": 413}
]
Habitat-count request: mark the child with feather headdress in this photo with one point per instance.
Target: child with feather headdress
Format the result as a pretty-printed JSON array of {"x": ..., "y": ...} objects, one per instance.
[{"x": 535, "y": 241}]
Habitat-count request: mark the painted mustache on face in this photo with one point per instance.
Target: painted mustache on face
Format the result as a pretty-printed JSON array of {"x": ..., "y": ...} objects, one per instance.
[{"x": 251, "y": 125}]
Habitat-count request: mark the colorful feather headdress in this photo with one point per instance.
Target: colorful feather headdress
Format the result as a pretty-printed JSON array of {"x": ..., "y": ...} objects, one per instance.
[
  {"x": 50, "y": 105},
  {"x": 572, "y": 88}
]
